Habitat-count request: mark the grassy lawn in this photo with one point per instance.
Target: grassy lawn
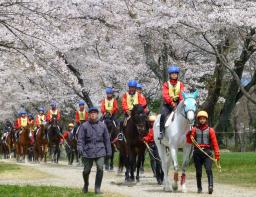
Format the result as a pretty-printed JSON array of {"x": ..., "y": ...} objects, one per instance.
[
  {"x": 13, "y": 171},
  {"x": 44, "y": 191},
  {"x": 237, "y": 168}
]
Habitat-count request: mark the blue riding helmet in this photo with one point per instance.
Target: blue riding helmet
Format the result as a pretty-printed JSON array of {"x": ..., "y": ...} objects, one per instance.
[
  {"x": 132, "y": 83},
  {"x": 53, "y": 104},
  {"x": 173, "y": 69},
  {"x": 93, "y": 109},
  {"x": 81, "y": 103},
  {"x": 41, "y": 109},
  {"x": 109, "y": 90},
  {"x": 139, "y": 86},
  {"x": 30, "y": 116},
  {"x": 23, "y": 113}
]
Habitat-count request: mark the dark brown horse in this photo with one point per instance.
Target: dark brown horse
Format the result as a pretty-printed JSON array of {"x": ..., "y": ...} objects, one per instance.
[
  {"x": 8, "y": 142},
  {"x": 54, "y": 135},
  {"x": 136, "y": 129},
  {"x": 113, "y": 130},
  {"x": 22, "y": 144},
  {"x": 41, "y": 144}
]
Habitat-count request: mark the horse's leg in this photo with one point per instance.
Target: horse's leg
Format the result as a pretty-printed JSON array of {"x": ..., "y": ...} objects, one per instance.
[
  {"x": 141, "y": 157},
  {"x": 72, "y": 156},
  {"x": 174, "y": 151},
  {"x": 58, "y": 153},
  {"x": 186, "y": 157},
  {"x": 132, "y": 161},
  {"x": 112, "y": 159},
  {"x": 165, "y": 158}
]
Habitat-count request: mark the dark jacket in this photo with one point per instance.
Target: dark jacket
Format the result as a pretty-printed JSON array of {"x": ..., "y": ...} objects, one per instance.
[{"x": 93, "y": 140}]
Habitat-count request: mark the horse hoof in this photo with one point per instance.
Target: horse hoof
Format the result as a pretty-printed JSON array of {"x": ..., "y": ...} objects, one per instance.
[
  {"x": 175, "y": 187},
  {"x": 167, "y": 189}
]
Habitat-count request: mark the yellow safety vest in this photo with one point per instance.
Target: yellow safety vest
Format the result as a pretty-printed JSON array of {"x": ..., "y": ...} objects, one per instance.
[
  {"x": 40, "y": 118},
  {"x": 81, "y": 115},
  {"x": 109, "y": 104},
  {"x": 132, "y": 100},
  {"x": 53, "y": 112},
  {"x": 174, "y": 91},
  {"x": 23, "y": 122}
]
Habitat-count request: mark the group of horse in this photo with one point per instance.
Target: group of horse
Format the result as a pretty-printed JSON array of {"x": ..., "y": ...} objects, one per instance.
[
  {"x": 27, "y": 143},
  {"x": 127, "y": 140}
]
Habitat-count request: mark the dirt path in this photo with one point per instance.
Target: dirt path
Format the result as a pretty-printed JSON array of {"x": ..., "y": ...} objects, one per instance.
[{"x": 63, "y": 175}]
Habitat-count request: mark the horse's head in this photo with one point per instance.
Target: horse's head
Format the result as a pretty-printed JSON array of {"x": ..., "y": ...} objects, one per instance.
[
  {"x": 190, "y": 105},
  {"x": 140, "y": 119},
  {"x": 54, "y": 121}
]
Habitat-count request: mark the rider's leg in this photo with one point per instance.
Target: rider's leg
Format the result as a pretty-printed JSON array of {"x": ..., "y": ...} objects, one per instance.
[{"x": 164, "y": 112}]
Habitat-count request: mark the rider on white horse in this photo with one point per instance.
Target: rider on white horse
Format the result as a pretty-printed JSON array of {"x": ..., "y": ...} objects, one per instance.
[{"x": 172, "y": 95}]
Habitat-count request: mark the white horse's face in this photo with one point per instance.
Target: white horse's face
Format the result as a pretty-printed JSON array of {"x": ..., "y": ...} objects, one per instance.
[{"x": 190, "y": 105}]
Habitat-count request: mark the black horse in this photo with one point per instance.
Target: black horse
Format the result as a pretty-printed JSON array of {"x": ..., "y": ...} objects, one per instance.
[
  {"x": 113, "y": 130},
  {"x": 54, "y": 137},
  {"x": 136, "y": 128}
]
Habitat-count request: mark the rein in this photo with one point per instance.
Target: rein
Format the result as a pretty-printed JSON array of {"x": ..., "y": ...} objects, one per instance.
[
  {"x": 150, "y": 151},
  {"x": 217, "y": 163}
]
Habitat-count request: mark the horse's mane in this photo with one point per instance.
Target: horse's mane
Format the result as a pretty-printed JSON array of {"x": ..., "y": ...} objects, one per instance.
[
  {"x": 137, "y": 109},
  {"x": 180, "y": 106}
]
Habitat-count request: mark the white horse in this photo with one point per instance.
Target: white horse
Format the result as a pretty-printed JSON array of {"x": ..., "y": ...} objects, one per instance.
[{"x": 176, "y": 126}]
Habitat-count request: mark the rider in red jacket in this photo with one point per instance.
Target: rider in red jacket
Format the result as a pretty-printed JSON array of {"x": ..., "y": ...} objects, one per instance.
[
  {"x": 109, "y": 105},
  {"x": 154, "y": 156},
  {"x": 132, "y": 97},
  {"x": 172, "y": 95},
  {"x": 205, "y": 138}
]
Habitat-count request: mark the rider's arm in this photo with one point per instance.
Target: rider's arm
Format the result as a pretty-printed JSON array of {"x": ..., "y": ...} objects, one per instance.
[
  {"x": 165, "y": 93},
  {"x": 182, "y": 89},
  {"x": 58, "y": 115},
  {"x": 124, "y": 103},
  {"x": 214, "y": 143},
  {"x": 77, "y": 117},
  {"x": 102, "y": 108},
  {"x": 115, "y": 107}
]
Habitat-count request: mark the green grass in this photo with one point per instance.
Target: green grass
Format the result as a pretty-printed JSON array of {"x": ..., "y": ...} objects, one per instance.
[
  {"x": 8, "y": 167},
  {"x": 44, "y": 191},
  {"x": 237, "y": 168}
]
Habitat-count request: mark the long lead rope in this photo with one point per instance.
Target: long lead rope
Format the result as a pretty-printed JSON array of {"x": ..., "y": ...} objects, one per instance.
[{"x": 217, "y": 163}]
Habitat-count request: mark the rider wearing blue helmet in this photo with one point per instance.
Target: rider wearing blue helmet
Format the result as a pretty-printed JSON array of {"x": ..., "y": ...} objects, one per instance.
[
  {"x": 22, "y": 121},
  {"x": 81, "y": 113},
  {"x": 53, "y": 111},
  {"x": 109, "y": 105},
  {"x": 40, "y": 118},
  {"x": 132, "y": 97},
  {"x": 172, "y": 95}
]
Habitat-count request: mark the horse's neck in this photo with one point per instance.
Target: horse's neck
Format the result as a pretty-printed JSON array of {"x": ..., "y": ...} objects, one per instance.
[{"x": 181, "y": 123}]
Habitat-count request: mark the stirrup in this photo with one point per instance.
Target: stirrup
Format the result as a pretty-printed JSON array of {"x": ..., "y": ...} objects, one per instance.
[
  {"x": 161, "y": 136},
  {"x": 120, "y": 136}
]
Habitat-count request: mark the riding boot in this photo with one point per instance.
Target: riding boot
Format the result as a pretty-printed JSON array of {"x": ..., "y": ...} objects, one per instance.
[
  {"x": 86, "y": 182},
  {"x": 210, "y": 183},
  {"x": 199, "y": 184},
  {"x": 98, "y": 180},
  {"x": 162, "y": 128}
]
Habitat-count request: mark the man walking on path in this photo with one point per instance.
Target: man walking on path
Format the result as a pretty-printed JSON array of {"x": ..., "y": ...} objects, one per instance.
[{"x": 93, "y": 145}]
